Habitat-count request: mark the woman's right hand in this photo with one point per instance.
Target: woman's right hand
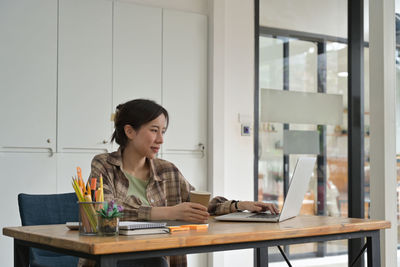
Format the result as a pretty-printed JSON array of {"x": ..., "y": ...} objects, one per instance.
[{"x": 191, "y": 212}]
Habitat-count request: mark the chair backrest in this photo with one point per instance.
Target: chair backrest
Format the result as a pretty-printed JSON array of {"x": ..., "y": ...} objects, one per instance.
[{"x": 48, "y": 209}]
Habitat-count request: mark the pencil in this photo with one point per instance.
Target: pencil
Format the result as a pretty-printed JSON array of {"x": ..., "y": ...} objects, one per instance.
[{"x": 101, "y": 188}]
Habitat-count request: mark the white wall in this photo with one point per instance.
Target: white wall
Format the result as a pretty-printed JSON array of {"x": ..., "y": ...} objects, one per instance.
[
  {"x": 383, "y": 183},
  {"x": 239, "y": 98},
  {"x": 231, "y": 94}
]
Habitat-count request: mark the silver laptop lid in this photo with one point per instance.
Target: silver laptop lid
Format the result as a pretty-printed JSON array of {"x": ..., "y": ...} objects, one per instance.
[{"x": 297, "y": 188}]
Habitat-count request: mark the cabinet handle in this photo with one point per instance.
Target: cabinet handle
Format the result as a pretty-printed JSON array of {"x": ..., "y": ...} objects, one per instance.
[
  {"x": 21, "y": 148},
  {"x": 201, "y": 149},
  {"x": 87, "y": 148}
]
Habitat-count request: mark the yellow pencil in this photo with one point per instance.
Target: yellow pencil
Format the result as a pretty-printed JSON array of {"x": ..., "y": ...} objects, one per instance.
[{"x": 101, "y": 189}]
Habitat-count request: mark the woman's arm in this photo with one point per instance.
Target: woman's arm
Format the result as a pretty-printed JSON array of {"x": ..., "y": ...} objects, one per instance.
[
  {"x": 221, "y": 205},
  {"x": 186, "y": 211}
]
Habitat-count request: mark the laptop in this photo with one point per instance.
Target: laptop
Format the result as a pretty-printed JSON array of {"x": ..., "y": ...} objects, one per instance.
[{"x": 294, "y": 198}]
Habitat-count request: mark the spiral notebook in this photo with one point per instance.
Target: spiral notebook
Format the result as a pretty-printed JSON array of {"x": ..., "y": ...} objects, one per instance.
[
  {"x": 145, "y": 231},
  {"x": 132, "y": 225}
]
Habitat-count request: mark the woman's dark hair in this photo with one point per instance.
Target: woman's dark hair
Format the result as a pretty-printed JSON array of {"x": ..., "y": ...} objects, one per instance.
[{"x": 135, "y": 113}]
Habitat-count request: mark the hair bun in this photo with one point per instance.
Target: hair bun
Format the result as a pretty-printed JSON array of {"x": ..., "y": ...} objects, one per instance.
[
  {"x": 119, "y": 107},
  {"x": 114, "y": 116}
]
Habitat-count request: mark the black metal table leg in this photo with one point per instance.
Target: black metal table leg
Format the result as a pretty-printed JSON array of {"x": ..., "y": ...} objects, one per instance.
[
  {"x": 284, "y": 256},
  {"x": 359, "y": 255},
  {"x": 107, "y": 261},
  {"x": 374, "y": 250},
  {"x": 21, "y": 254},
  {"x": 261, "y": 257}
]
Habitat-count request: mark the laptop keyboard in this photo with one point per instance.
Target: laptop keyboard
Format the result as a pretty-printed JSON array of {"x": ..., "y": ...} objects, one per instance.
[{"x": 264, "y": 215}]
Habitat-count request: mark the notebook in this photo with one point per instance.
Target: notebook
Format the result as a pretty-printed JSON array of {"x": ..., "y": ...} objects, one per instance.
[
  {"x": 125, "y": 225},
  {"x": 145, "y": 231},
  {"x": 294, "y": 198},
  {"x": 130, "y": 225}
]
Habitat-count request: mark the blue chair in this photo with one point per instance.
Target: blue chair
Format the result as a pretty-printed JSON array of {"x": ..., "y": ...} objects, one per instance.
[{"x": 49, "y": 209}]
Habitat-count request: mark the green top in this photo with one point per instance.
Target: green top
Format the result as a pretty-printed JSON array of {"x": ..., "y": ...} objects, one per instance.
[{"x": 137, "y": 187}]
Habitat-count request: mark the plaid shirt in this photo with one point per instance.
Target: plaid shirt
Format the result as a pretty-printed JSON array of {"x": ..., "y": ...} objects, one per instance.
[{"x": 167, "y": 187}]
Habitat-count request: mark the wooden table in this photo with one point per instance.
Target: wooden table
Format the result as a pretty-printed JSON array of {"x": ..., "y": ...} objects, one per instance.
[{"x": 107, "y": 251}]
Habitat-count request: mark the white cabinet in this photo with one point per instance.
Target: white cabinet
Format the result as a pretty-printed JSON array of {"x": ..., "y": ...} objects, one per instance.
[
  {"x": 136, "y": 53},
  {"x": 185, "y": 93},
  {"x": 28, "y": 73},
  {"x": 84, "y": 75},
  {"x": 65, "y": 65},
  {"x": 31, "y": 173}
]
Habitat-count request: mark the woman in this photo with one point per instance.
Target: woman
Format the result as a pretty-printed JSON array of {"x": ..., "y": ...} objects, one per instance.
[{"x": 150, "y": 188}]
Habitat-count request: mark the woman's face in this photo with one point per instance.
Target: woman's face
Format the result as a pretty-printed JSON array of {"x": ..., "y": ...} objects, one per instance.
[{"x": 147, "y": 140}]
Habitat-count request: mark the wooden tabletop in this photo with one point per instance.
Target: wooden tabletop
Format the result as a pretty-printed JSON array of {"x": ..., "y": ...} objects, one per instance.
[{"x": 218, "y": 233}]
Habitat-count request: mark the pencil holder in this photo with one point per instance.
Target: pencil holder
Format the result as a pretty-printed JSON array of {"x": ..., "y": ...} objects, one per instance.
[
  {"x": 88, "y": 219},
  {"x": 108, "y": 226},
  {"x": 109, "y": 219}
]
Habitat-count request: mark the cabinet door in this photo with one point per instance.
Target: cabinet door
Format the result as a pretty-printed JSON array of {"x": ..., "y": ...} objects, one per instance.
[
  {"x": 28, "y": 65},
  {"x": 31, "y": 173},
  {"x": 185, "y": 79},
  {"x": 185, "y": 93},
  {"x": 137, "y": 53},
  {"x": 192, "y": 166},
  {"x": 85, "y": 73}
]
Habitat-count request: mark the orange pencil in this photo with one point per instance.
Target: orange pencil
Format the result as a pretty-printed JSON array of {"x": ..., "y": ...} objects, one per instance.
[
  {"x": 79, "y": 172},
  {"x": 81, "y": 183}
]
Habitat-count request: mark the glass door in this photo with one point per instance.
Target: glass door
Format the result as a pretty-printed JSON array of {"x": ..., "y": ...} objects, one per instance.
[{"x": 306, "y": 66}]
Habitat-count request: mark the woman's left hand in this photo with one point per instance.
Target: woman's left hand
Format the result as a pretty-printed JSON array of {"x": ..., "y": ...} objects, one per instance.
[{"x": 257, "y": 206}]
